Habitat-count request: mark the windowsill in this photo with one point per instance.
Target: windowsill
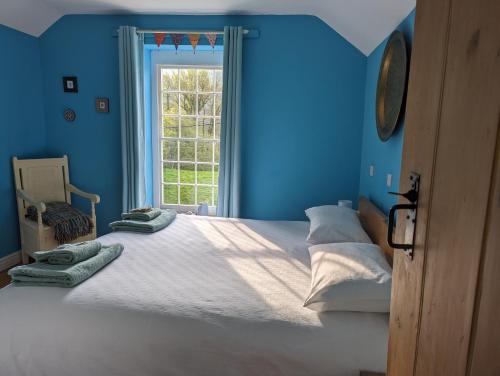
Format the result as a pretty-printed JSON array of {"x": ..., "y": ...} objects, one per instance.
[{"x": 193, "y": 209}]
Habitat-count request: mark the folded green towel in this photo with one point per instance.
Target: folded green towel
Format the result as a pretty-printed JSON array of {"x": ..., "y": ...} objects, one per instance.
[
  {"x": 142, "y": 216},
  {"x": 43, "y": 274},
  {"x": 68, "y": 254},
  {"x": 163, "y": 220}
]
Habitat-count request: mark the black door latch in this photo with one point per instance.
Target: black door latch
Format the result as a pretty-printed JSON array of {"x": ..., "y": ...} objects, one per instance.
[{"x": 411, "y": 216}]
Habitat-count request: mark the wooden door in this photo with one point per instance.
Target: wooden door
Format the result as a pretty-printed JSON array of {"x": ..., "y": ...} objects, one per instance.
[
  {"x": 440, "y": 322},
  {"x": 484, "y": 353}
]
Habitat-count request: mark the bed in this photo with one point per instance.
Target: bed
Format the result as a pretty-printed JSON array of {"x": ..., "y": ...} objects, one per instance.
[{"x": 205, "y": 296}]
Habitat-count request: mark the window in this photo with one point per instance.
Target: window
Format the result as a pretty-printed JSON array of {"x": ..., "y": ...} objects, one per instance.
[{"x": 190, "y": 100}]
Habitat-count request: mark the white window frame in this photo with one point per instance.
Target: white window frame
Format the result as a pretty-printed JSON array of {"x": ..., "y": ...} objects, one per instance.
[{"x": 157, "y": 139}]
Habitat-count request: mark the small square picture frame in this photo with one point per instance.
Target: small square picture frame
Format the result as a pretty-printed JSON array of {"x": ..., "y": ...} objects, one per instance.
[
  {"x": 70, "y": 84},
  {"x": 102, "y": 105}
]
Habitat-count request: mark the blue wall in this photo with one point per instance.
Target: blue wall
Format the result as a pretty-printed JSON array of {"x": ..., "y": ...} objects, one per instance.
[
  {"x": 385, "y": 156},
  {"x": 22, "y": 127},
  {"x": 302, "y": 114},
  {"x": 302, "y": 110}
]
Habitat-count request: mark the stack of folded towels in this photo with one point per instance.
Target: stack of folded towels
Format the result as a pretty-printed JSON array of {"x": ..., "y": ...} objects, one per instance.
[
  {"x": 145, "y": 220},
  {"x": 66, "y": 265}
]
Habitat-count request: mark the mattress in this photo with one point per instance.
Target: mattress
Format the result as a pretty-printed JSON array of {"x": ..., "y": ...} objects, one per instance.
[{"x": 205, "y": 296}]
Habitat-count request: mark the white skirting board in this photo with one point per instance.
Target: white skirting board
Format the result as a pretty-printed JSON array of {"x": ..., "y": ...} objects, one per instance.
[{"x": 9, "y": 261}]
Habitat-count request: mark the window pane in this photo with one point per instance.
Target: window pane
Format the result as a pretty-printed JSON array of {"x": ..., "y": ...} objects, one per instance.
[
  {"x": 188, "y": 79},
  {"x": 205, "y": 80},
  {"x": 204, "y": 174},
  {"x": 205, "y": 195},
  {"x": 217, "y": 152},
  {"x": 218, "y": 104},
  {"x": 216, "y": 174},
  {"x": 170, "y": 126},
  {"x": 191, "y": 108},
  {"x": 218, "y": 80},
  {"x": 170, "y": 173},
  {"x": 217, "y": 128},
  {"x": 204, "y": 151},
  {"x": 170, "y": 79},
  {"x": 188, "y": 104},
  {"x": 187, "y": 194},
  {"x": 186, "y": 150},
  {"x": 169, "y": 150},
  {"x": 205, "y": 104},
  {"x": 206, "y": 127},
  {"x": 187, "y": 172},
  {"x": 170, "y": 103},
  {"x": 188, "y": 127},
  {"x": 170, "y": 194}
]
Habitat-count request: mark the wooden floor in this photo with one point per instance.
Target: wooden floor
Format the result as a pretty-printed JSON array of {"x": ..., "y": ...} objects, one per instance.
[{"x": 4, "y": 279}]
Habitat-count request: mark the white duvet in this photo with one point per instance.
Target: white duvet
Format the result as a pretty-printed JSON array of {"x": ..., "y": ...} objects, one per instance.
[{"x": 205, "y": 296}]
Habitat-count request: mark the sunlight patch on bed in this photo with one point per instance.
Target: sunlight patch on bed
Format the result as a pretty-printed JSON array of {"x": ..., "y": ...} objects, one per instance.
[{"x": 263, "y": 264}]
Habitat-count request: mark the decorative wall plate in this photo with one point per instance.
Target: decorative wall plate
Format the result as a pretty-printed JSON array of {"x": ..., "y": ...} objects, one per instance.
[
  {"x": 69, "y": 114},
  {"x": 391, "y": 85}
]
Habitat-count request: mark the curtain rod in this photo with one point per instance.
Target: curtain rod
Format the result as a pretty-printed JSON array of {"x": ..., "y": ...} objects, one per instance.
[
  {"x": 148, "y": 31},
  {"x": 248, "y": 33}
]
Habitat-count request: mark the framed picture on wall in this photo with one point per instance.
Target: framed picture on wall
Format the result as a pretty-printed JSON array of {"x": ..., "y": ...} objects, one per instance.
[
  {"x": 70, "y": 84},
  {"x": 102, "y": 105}
]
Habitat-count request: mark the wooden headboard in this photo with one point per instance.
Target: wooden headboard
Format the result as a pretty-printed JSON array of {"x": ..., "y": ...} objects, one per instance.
[{"x": 374, "y": 222}]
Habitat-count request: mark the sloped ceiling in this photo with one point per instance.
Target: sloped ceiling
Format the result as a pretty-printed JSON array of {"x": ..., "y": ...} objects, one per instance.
[{"x": 364, "y": 23}]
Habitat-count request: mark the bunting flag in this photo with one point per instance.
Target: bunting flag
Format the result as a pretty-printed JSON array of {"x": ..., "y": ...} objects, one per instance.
[
  {"x": 159, "y": 38},
  {"x": 194, "y": 39},
  {"x": 212, "y": 39},
  {"x": 177, "y": 39}
]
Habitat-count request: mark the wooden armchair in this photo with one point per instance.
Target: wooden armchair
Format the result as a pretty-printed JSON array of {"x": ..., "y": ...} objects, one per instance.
[{"x": 39, "y": 181}]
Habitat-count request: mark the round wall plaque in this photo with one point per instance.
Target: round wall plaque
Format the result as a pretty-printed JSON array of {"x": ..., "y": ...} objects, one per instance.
[
  {"x": 391, "y": 85},
  {"x": 69, "y": 114}
]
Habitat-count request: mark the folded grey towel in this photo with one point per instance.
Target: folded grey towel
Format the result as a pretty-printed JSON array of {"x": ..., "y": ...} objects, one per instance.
[
  {"x": 142, "y": 210},
  {"x": 142, "y": 215},
  {"x": 68, "y": 254},
  {"x": 163, "y": 220},
  {"x": 43, "y": 274}
]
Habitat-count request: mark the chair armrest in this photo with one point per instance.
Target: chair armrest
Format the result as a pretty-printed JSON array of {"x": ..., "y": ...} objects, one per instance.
[
  {"x": 89, "y": 196},
  {"x": 40, "y": 206}
]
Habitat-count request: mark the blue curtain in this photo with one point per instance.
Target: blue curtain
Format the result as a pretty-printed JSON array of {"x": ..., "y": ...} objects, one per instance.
[
  {"x": 131, "y": 50},
  {"x": 230, "y": 149}
]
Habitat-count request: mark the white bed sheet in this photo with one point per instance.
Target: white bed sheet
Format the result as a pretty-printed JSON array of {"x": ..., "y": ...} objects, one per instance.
[{"x": 205, "y": 296}]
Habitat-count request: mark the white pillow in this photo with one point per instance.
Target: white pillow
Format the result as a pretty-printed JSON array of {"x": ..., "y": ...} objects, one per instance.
[
  {"x": 335, "y": 224},
  {"x": 349, "y": 277}
]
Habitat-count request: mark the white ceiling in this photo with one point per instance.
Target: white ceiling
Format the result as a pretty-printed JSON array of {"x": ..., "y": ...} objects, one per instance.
[{"x": 364, "y": 23}]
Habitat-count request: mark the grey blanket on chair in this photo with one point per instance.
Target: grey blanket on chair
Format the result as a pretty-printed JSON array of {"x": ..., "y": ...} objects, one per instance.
[
  {"x": 43, "y": 274},
  {"x": 69, "y": 254},
  {"x": 68, "y": 223}
]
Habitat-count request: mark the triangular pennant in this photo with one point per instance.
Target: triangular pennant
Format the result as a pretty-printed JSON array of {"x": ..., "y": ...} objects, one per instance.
[
  {"x": 194, "y": 39},
  {"x": 159, "y": 38},
  {"x": 212, "y": 39},
  {"x": 176, "y": 39}
]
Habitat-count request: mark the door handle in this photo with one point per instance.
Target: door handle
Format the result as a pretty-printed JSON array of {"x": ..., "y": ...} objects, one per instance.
[
  {"x": 392, "y": 221},
  {"x": 411, "y": 217}
]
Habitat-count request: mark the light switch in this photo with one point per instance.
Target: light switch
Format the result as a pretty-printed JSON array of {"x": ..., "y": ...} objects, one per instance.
[
  {"x": 372, "y": 170},
  {"x": 389, "y": 180}
]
